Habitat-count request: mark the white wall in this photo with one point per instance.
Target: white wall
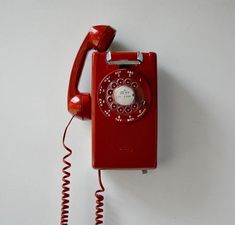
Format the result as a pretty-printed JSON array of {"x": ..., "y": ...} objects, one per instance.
[{"x": 194, "y": 183}]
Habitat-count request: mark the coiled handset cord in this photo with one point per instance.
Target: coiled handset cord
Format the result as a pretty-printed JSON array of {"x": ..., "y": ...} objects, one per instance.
[
  {"x": 66, "y": 187},
  {"x": 99, "y": 202}
]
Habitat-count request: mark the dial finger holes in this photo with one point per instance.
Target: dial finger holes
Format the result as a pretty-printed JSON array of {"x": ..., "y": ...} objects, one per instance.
[
  {"x": 110, "y": 92},
  {"x": 134, "y": 85},
  {"x": 120, "y": 109},
  {"x": 114, "y": 106},
  {"x": 128, "y": 81},
  {"x": 120, "y": 81},
  {"x": 110, "y": 99},
  {"x": 134, "y": 106},
  {"x": 128, "y": 109},
  {"x": 114, "y": 85}
]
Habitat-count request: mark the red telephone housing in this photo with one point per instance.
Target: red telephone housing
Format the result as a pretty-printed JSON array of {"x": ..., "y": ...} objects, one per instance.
[
  {"x": 124, "y": 111},
  {"x": 122, "y": 105}
]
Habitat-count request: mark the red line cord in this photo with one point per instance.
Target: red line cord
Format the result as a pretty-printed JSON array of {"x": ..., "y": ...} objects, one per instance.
[
  {"x": 66, "y": 180},
  {"x": 99, "y": 201},
  {"x": 66, "y": 189}
]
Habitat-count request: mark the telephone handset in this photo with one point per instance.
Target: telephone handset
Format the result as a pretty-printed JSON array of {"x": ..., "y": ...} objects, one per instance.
[
  {"x": 99, "y": 38},
  {"x": 122, "y": 107}
]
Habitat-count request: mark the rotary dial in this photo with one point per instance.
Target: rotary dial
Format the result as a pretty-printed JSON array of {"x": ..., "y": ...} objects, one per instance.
[{"x": 124, "y": 95}]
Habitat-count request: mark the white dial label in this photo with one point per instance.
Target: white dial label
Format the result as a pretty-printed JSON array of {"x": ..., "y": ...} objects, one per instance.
[{"x": 124, "y": 95}]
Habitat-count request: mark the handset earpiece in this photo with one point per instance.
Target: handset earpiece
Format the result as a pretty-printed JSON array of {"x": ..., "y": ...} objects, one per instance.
[{"x": 98, "y": 38}]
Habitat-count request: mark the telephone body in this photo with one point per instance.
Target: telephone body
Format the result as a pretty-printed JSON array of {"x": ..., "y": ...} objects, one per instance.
[{"x": 122, "y": 105}]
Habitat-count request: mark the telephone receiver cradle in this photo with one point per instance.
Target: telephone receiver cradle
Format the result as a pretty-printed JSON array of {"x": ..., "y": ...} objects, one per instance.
[{"x": 98, "y": 38}]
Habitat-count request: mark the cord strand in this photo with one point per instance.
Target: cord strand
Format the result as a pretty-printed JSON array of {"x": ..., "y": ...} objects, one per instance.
[
  {"x": 99, "y": 201},
  {"x": 66, "y": 180},
  {"x": 66, "y": 188}
]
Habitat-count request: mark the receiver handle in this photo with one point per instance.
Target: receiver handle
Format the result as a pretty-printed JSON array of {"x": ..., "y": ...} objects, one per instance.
[{"x": 98, "y": 38}]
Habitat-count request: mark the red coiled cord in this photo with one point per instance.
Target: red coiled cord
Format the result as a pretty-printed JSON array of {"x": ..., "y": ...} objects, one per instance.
[
  {"x": 66, "y": 189},
  {"x": 99, "y": 202},
  {"x": 65, "y": 181}
]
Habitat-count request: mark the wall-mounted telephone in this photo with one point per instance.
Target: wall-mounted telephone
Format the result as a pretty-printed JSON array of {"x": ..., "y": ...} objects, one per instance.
[{"x": 122, "y": 107}]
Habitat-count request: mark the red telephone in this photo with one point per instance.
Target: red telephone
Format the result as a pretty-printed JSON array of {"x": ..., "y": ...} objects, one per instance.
[{"x": 122, "y": 107}]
